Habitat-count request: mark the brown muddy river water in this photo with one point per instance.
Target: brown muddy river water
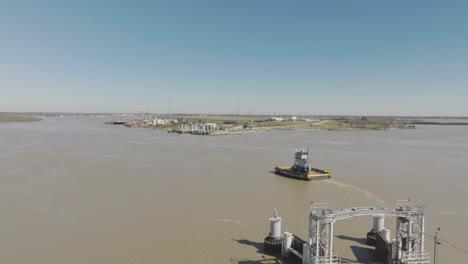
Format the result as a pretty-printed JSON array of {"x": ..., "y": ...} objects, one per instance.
[{"x": 74, "y": 190}]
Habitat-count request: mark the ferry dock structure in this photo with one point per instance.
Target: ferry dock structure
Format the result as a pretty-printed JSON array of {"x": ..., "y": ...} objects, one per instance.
[{"x": 407, "y": 246}]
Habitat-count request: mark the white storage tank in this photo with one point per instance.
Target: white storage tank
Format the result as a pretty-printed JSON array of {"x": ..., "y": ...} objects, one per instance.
[
  {"x": 378, "y": 223},
  {"x": 275, "y": 225},
  {"x": 386, "y": 234},
  {"x": 287, "y": 242}
]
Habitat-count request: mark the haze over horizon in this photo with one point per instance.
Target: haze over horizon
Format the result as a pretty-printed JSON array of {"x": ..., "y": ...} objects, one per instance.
[{"x": 318, "y": 58}]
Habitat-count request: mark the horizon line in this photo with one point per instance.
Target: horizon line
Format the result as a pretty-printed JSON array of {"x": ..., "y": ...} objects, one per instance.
[{"x": 227, "y": 114}]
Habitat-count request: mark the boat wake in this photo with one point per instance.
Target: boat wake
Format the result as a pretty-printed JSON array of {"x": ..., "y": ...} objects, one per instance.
[
  {"x": 357, "y": 189},
  {"x": 224, "y": 220},
  {"x": 55, "y": 211}
]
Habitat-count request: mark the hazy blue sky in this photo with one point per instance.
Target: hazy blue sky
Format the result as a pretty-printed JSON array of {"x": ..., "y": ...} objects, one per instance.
[{"x": 293, "y": 57}]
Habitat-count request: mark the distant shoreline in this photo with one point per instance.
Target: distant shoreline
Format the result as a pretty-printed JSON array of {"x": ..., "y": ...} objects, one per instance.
[
  {"x": 224, "y": 126},
  {"x": 14, "y": 118}
]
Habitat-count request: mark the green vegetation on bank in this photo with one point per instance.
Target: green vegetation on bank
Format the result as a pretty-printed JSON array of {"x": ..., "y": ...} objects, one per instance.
[
  {"x": 279, "y": 123},
  {"x": 16, "y": 117},
  {"x": 363, "y": 123},
  {"x": 165, "y": 127}
]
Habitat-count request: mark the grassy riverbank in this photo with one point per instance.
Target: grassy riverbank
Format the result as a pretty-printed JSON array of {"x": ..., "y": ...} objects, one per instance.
[
  {"x": 337, "y": 124},
  {"x": 16, "y": 117}
]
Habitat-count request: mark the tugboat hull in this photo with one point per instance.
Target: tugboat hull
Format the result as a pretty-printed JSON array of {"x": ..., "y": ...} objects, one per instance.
[{"x": 314, "y": 174}]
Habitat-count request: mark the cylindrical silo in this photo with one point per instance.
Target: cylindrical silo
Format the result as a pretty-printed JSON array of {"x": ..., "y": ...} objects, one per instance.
[
  {"x": 273, "y": 241},
  {"x": 386, "y": 234},
  {"x": 378, "y": 223},
  {"x": 275, "y": 226}
]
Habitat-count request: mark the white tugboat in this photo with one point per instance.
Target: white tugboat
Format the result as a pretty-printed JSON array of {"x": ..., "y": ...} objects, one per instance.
[{"x": 301, "y": 169}]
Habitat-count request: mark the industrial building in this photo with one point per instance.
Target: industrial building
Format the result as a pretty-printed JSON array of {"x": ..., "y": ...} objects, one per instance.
[{"x": 196, "y": 128}]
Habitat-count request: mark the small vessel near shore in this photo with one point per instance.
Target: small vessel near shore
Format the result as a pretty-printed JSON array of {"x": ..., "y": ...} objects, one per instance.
[
  {"x": 119, "y": 122},
  {"x": 301, "y": 169}
]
